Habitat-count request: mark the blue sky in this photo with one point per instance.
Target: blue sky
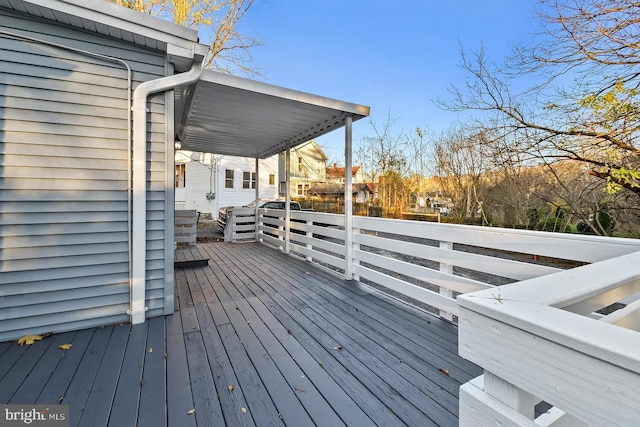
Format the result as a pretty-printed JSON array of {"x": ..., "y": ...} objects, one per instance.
[{"x": 395, "y": 57}]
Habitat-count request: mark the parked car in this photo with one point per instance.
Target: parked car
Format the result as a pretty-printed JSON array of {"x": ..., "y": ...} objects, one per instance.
[{"x": 224, "y": 213}]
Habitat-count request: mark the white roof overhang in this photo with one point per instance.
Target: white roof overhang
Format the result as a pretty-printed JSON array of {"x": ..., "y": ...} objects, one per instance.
[
  {"x": 219, "y": 113},
  {"x": 234, "y": 116}
]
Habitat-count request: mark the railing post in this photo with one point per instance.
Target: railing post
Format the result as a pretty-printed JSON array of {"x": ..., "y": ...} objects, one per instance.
[
  {"x": 356, "y": 247},
  {"x": 446, "y": 268},
  {"x": 510, "y": 395},
  {"x": 282, "y": 238},
  {"x": 310, "y": 236}
]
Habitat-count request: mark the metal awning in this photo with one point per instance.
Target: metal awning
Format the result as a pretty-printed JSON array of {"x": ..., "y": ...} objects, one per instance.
[{"x": 234, "y": 116}]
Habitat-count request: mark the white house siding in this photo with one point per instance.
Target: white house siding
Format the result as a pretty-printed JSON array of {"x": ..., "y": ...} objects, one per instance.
[
  {"x": 308, "y": 167},
  {"x": 205, "y": 173},
  {"x": 63, "y": 187}
]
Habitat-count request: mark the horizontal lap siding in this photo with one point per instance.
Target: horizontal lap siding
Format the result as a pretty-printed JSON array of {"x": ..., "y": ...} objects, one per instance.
[{"x": 63, "y": 188}]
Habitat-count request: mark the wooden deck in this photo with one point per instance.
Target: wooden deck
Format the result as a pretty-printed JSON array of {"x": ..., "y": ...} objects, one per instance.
[{"x": 260, "y": 338}]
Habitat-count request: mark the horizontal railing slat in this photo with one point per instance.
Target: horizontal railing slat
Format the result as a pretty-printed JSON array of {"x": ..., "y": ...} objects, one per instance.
[
  {"x": 498, "y": 266},
  {"x": 435, "y": 277},
  {"x": 416, "y": 292},
  {"x": 556, "y": 245}
]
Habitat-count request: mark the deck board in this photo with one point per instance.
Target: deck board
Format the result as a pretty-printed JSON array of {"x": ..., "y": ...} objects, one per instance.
[
  {"x": 56, "y": 387},
  {"x": 310, "y": 322},
  {"x": 258, "y": 338},
  {"x": 81, "y": 386},
  {"x": 153, "y": 392},
  {"x": 207, "y": 408},
  {"x": 231, "y": 396},
  {"x": 178, "y": 382},
  {"x": 126, "y": 401},
  {"x": 98, "y": 405}
]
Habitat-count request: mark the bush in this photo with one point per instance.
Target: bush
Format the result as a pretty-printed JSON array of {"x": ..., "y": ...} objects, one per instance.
[{"x": 584, "y": 228}]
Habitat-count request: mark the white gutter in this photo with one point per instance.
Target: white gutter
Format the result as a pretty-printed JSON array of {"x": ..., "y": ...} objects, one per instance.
[{"x": 139, "y": 244}]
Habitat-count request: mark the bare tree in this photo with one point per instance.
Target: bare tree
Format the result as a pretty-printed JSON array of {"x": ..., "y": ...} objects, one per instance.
[
  {"x": 462, "y": 164},
  {"x": 383, "y": 160},
  {"x": 583, "y": 103},
  {"x": 228, "y": 49},
  {"x": 420, "y": 149}
]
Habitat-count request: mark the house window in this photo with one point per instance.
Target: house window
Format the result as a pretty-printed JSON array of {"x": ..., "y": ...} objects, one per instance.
[
  {"x": 249, "y": 180},
  {"x": 272, "y": 179},
  {"x": 228, "y": 178},
  {"x": 180, "y": 175},
  {"x": 300, "y": 190},
  {"x": 300, "y": 164}
]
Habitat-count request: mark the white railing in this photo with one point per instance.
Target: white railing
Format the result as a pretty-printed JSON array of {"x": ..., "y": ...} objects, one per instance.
[
  {"x": 432, "y": 263},
  {"x": 543, "y": 340},
  {"x": 241, "y": 225},
  {"x": 526, "y": 304},
  {"x": 185, "y": 226}
]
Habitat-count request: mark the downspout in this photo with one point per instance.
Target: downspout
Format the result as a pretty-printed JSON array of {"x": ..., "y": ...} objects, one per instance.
[{"x": 139, "y": 244}]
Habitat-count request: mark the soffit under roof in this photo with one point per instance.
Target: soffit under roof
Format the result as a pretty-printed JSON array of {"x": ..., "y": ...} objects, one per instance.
[{"x": 233, "y": 116}]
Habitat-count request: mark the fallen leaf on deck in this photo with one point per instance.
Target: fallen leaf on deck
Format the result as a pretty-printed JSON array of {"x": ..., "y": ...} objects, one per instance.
[
  {"x": 444, "y": 371},
  {"x": 191, "y": 411},
  {"x": 307, "y": 273},
  {"x": 298, "y": 390},
  {"x": 338, "y": 347},
  {"x": 60, "y": 399},
  {"x": 65, "y": 346},
  {"x": 244, "y": 410},
  {"x": 231, "y": 387},
  {"x": 150, "y": 350},
  {"x": 29, "y": 339}
]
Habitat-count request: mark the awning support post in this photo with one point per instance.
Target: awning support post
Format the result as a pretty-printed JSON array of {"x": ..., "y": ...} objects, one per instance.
[
  {"x": 257, "y": 199},
  {"x": 287, "y": 201},
  {"x": 348, "y": 197}
]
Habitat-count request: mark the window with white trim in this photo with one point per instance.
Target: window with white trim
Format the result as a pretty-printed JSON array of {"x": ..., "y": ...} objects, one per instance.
[
  {"x": 228, "y": 178},
  {"x": 248, "y": 180}
]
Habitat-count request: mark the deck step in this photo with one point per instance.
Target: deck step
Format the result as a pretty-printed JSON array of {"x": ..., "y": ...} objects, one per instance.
[{"x": 192, "y": 263}]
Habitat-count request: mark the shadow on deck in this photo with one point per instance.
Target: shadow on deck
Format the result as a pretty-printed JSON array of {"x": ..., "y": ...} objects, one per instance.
[{"x": 260, "y": 338}]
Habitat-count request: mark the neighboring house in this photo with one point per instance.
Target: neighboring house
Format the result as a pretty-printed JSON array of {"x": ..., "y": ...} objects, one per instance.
[
  {"x": 94, "y": 97},
  {"x": 336, "y": 174},
  {"x": 207, "y": 182},
  {"x": 308, "y": 167},
  {"x": 332, "y": 192}
]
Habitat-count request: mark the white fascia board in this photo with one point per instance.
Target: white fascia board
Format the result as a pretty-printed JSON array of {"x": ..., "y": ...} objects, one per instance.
[{"x": 359, "y": 111}]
